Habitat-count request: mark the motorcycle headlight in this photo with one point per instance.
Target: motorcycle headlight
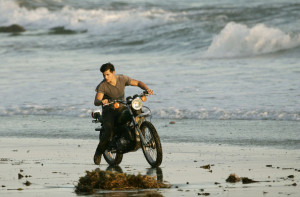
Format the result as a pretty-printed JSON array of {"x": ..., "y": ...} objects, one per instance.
[
  {"x": 96, "y": 114},
  {"x": 137, "y": 103}
]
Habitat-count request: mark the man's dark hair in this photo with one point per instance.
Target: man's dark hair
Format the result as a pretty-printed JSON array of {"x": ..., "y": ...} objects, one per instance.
[{"x": 108, "y": 66}]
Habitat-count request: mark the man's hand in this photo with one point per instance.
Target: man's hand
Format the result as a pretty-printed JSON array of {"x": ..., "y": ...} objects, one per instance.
[
  {"x": 105, "y": 101},
  {"x": 150, "y": 91}
]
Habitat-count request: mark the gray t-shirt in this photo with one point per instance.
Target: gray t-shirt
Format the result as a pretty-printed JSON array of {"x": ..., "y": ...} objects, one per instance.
[{"x": 114, "y": 92}]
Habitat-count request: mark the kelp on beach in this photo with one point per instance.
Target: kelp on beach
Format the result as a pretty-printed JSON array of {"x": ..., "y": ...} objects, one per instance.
[{"x": 107, "y": 180}]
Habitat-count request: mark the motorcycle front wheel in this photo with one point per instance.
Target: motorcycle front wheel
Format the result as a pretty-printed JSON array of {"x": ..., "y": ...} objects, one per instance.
[
  {"x": 152, "y": 148},
  {"x": 113, "y": 159}
]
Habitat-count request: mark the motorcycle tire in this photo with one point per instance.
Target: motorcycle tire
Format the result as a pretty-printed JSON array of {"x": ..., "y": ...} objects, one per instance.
[
  {"x": 153, "y": 149},
  {"x": 113, "y": 159}
]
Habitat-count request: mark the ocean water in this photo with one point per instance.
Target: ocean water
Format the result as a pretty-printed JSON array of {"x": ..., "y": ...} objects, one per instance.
[{"x": 207, "y": 61}]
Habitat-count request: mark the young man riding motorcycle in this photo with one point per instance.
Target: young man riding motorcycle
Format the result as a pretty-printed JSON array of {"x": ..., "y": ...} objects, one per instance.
[{"x": 112, "y": 87}]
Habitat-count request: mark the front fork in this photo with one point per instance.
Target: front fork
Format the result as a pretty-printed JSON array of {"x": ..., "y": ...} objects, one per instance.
[{"x": 136, "y": 125}]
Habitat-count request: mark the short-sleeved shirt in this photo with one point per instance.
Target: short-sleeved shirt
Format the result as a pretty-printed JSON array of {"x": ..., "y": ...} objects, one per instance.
[{"x": 114, "y": 92}]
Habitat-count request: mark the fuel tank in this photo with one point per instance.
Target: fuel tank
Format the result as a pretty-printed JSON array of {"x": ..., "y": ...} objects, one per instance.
[{"x": 124, "y": 117}]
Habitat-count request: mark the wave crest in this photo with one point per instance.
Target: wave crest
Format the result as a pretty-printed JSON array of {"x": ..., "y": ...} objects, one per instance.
[{"x": 237, "y": 40}]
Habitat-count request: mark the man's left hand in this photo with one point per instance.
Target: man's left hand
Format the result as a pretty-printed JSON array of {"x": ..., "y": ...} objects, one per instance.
[{"x": 150, "y": 91}]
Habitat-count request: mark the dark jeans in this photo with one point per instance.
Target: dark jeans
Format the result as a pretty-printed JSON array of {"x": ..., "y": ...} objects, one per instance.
[{"x": 109, "y": 117}]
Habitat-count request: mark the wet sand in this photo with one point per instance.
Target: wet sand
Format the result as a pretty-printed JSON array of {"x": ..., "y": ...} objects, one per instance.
[{"x": 51, "y": 167}]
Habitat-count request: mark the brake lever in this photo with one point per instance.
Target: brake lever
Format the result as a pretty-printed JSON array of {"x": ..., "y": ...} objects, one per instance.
[{"x": 108, "y": 103}]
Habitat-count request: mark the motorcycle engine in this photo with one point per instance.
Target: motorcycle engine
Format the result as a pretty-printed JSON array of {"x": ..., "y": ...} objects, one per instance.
[
  {"x": 122, "y": 144},
  {"x": 125, "y": 141}
]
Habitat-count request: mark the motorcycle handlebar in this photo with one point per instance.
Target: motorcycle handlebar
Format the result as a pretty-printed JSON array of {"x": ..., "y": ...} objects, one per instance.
[{"x": 112, "y": 101}]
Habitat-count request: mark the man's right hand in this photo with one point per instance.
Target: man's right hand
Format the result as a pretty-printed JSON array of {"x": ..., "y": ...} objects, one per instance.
[{"x": 105, "y": 101}]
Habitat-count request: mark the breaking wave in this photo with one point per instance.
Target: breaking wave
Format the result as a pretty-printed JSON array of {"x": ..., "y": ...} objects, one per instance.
[
  {"x": 157, "y": 26},
  {"x": 95, "y": 21},
  {"x": 170, "y": 113},
  {"x": 238, "y": 40}
]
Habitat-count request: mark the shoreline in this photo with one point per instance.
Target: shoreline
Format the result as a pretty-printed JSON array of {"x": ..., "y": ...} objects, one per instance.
[
  {"x": 246, "y": 133},
  {"x": 53, "y": 166}
]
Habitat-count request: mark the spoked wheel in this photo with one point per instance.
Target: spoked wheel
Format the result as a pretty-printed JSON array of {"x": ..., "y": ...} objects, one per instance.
[
  {"x": 112, "y": 159},
  {"x": 152, "y": 149}
]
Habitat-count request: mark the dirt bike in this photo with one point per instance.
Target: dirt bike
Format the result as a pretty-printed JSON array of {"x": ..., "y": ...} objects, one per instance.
[{"x": 132, "y": 131}]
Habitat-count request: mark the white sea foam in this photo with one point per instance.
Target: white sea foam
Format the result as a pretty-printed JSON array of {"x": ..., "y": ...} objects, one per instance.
[
  {"x": 238, "y": 40},
  {"x": 170, "y": 113},
  {"x": 220, "y": 114},
  {"x": 96, "y": 21}
]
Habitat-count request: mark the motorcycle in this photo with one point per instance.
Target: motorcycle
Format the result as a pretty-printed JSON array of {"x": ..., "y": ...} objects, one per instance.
[{"x": 132, "y": 131}]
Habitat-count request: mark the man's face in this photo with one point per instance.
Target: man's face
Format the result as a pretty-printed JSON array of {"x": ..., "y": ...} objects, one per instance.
[{"x": 108, "y": 76}]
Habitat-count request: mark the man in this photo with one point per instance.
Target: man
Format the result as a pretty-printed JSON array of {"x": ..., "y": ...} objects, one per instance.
[{"x": 112, "y": 87}]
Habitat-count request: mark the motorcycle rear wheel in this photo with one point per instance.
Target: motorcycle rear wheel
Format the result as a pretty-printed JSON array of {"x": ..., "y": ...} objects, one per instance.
[
  {"x": 152, "y": 150},
  {"x": 113, "y": 159}
]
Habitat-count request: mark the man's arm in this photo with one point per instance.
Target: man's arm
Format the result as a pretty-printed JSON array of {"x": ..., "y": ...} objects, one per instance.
[{"x": 142, "y": 85}]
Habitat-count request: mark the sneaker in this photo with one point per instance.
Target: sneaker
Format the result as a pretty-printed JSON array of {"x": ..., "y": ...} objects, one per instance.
[{"x": 97, "y": 159}]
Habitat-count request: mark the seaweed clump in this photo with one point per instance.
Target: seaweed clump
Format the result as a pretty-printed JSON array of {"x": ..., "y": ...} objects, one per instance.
[
  {"x": 233, "y": 178},
  {"x": 107, "y": 180}
]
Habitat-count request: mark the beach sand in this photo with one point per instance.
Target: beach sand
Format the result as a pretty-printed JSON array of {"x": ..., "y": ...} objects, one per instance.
[{"x": 53, "y": 167}]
